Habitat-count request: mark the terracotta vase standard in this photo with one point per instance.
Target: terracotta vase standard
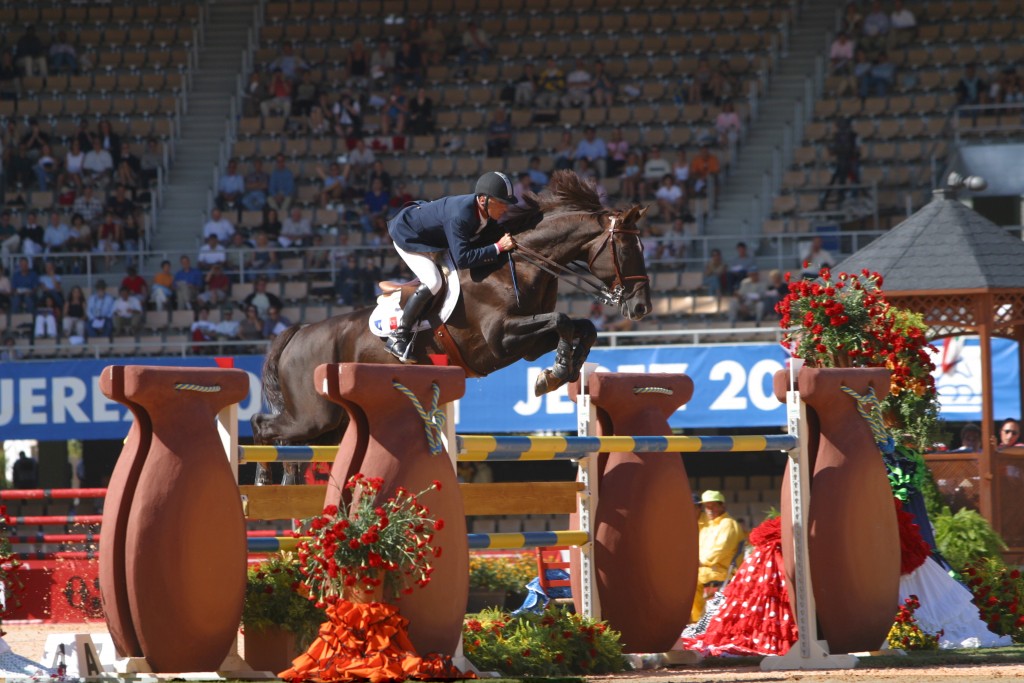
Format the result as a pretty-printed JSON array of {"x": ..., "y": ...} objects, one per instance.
[{"x": 853, "y": 540}]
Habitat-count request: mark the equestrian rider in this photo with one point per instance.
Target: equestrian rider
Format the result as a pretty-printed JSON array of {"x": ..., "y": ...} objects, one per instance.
[{"x": 425, "y": 229}]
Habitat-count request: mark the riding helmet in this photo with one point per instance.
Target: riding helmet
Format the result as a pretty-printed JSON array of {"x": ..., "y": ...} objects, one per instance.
[{"x": 496, "y": 185}]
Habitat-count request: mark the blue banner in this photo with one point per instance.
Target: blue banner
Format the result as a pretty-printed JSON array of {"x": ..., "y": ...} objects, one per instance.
[{"x": 733, "y": 388}]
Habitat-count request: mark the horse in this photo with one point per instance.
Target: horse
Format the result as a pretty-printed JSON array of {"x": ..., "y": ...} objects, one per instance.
[{"x": 506, "y": 311}]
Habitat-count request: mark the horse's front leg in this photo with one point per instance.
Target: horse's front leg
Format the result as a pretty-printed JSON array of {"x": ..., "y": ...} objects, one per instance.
[{"x": 534, "y": 335}]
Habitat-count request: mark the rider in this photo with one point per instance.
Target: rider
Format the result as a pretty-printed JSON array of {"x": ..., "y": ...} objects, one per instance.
[{"x": 424, "y": 229}]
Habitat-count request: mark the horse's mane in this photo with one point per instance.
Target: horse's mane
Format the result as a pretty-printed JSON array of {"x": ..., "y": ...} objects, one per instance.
[{"x": 565, "y": 193}]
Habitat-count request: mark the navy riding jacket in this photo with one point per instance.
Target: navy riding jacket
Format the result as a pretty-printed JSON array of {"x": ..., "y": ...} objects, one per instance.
[{"x": 446, "y": 223}]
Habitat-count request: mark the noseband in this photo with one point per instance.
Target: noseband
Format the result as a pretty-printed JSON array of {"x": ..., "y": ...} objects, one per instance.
[{"x": 618, "y": 289}]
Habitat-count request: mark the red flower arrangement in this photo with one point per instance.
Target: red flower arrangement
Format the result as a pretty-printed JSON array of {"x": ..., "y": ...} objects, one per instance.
[
  {"x": 368, "y": 545},
  {"x": 998, "y": 593},
  {"x": 847, "y": 321},
  {"x": 906, "y": 634}
]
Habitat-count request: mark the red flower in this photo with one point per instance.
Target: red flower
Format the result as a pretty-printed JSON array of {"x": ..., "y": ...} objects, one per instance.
[{"x": 438, "y": 524}]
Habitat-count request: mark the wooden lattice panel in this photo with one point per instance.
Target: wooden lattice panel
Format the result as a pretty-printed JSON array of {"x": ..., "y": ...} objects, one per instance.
[
  {"x": 958, "y": 481},
  {"x": 1009, "y": 476},
  {"x": 946, "y": 314},
  {"x": 1007, "y": 313}
]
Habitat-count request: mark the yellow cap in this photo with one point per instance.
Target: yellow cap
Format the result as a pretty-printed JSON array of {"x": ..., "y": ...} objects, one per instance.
[{"x": 712, "y": 497}]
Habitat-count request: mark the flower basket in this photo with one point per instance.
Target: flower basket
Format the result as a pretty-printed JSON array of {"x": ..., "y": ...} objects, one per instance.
[{"x": 270, "y": 648}]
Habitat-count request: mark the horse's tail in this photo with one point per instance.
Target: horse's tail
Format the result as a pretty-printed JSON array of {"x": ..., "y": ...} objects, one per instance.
[{"x": 271, "y": 383}]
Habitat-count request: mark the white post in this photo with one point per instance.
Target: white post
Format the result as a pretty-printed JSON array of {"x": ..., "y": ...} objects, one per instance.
[
  {"x": 586, "y": 425},
  {"x": 808, "y": 652}
]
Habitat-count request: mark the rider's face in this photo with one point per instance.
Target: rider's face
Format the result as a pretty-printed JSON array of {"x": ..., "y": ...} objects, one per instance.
[{"x": 494, "y": 209}]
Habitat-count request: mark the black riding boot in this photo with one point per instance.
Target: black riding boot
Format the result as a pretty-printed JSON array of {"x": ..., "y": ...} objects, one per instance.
[{"x": 398, "y": 343}]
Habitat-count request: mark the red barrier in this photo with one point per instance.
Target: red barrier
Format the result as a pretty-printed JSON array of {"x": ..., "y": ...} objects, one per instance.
[
  {"x": 62, "y": 590},
  {"x": 51, "y": 494}
]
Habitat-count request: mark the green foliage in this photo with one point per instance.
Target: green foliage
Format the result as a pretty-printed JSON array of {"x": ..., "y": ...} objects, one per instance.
[
  {"x": 555, "y": 643},
  {"x": 999, "y": 594},
  {"x": 276, "y": 598},
  {"x": 509, "y": 573},
  {"x": 965, "y": 537}
]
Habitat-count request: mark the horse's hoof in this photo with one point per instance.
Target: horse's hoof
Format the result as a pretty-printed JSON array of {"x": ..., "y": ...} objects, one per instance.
[{"x": 546, "y": 381}]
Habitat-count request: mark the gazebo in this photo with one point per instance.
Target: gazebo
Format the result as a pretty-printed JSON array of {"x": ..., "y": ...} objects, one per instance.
[{"x": 965, "y": 275}]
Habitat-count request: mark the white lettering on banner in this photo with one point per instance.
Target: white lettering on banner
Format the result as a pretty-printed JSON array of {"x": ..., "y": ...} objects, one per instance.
[
  {"x": 532, "y": 403},
  {"x": 755, "y": 384},
  {"x": 633, "y": 367},
  {"x": 6, "y": 401},
  {"x": 68, "y": 395},
  {"x": 103, "y": 409},
  {"x": 730, "y": 398},
  {"x": 32, "y": 395},
  {"x": 558, "y": 402}
]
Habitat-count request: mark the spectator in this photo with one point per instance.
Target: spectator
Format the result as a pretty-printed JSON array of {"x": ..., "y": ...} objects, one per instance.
[
  {"x": 280, "y": 96},
  {"x": 740, "y": 266},
  {"x": 74, "y": 159},
  {"x": 476, "y": 45},
  {"x": 853, "y": 20},
  {"x": 257, "y": 183},
  {"x": 282, "y": 185},
  {"x": 671, "y": 199},
  {"x": 34, "y": 140},
  {"x": 151, "y": 161},
  {"x": 728, "y": 125},
  {"x": 538, "y": 178},
  {"x": 1009, "y": 434},
  {"x": 127, "y": 314},
  {"x": 275, "y": 323},
  {"x": 602, "y": 87},
  {"x": 57, "y": 234},
  {"x": 815, "y": 258},
  {"x": 395, "y": 113},
  {"x": 335, "y": 185},
  {"x": 218, "y": 227},
  {"x": 25, "y": 283},
  {"x": 421, "y": 113},
  {"x": 840, "y": 55},
  {"x": 704, "y": 169},
  {"x": 32, "y": 235},
  {"x": 5, "y": 290},
  {"x": 971, "y": 89},
  {"x": 715, "y": 273},
  {"x": 136, "y": 285},
  {"x": 81, "y": 234},
  {"x": 47, "y": 318},
  {"x": 227, "y": 328},
  {"x": 881, "y": 76},
  {"x": 348, "y": 282},
  {"x": 261, "y": 300},
  {"x": 263, "y": 258},
  {"x": 271, "y": 224},
  {"x": 565, "y": 153},
  {"x": 203, "y": 330},
  {"x": 858, "y": 80},
  {"x": 305, "y": 96},
  {"x": 526, "y": 86},
  {"x": 110, "y": 141},
  {"x": 578, "y": 85},
  {"x": 108, "y": 238},
  {"x": 382, "y": 64},
  {"x": 163, "y": 286},
  {"x": 98, "y": 164},
  {"x": 594, "y": 150},
  {"x": 721, "y": 539},
  {"x": 50, "y": 284},
  {"x": 778, "y": 288},
  {"x": 902, "y": 25},
  {"x": 550, "y": 85},
  {"x": 750, "y": 299},
  {"x": 618, "y": 149},
  {"x": 499, "y": 134},
  {"x": 250, "y": 328},
  {"x": 99, "y": 310},
  {"x": 434, "y": 42},
  {"x": 63, "y": 57},
  {"x": 131, "y": 236},
  {"x": 347, "y": 116},
  {"x": 655, "y": 169},
  {"x": 119, "y": 204},
  {"x": 10, "y": 82},
  {"x": 25, "y": 473},
  {"x": 632, "y": 180},
  {"x": 289, "y": 63},
  {"x": 846, "y": 151},
  {"x": 521, "y": 187},
  {"x": 358, "y": 66},
  {"x": 702, "y": 85},
  {"x": 216, "y": 286},
  {"x": 681, "y": 169},
  {"x": 211, "y": 253},
  {"x": 31, "y": 53},
  {"x": 188, "y": 282},
  {"x": 876, "y": 28},
  {"x": 376, "y": 203},
  {"x": 73, "y": 320},
  {"x": 295, "y": 229},
  {"x": 409, "y": 64},
  {"x": 360, "y": 160},
  {"x": 401, "y": 198},
  {"x": 10, "y": 240},
  {"x": 89, "y": 206},
  {"x": 230, "y": 188},
  {"x": 46, "y": 169},
  {"x": 970, "y": 439}
]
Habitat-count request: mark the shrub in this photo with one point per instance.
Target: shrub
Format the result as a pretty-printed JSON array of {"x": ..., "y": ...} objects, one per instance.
[
  {"x": 555, "y": 643},
  {"x": 965, "y": 537},
  {"x": 999, "y": 593},
  {"x": 509, "y": 573},
  {"x": 276, "y": 598}
]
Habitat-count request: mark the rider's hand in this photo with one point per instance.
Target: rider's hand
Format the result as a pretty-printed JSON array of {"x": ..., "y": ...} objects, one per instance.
[{"x": 506, "y": 243}]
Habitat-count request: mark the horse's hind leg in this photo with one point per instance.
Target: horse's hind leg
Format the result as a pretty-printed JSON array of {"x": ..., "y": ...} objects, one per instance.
[{"x": 310, "y": 425}]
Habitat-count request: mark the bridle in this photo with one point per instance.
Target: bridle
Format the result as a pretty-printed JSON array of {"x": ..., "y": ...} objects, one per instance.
[{"x": 584, "y": 278}]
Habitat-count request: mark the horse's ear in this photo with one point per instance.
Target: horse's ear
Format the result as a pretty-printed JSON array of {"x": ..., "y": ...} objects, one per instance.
[
  {"x": 642, "y": 213},
  {"x": 633, "y": 215}
]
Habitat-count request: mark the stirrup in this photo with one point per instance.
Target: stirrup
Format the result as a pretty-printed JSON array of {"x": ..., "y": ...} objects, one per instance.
[{"x": 400, "y": 348}]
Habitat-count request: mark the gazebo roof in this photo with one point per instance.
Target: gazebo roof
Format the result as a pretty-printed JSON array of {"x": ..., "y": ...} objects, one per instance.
[{"x": 946, "y": 246}]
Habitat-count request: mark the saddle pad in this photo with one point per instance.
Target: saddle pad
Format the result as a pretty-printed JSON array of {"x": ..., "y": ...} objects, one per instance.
[{"x": 388, "y": 311}]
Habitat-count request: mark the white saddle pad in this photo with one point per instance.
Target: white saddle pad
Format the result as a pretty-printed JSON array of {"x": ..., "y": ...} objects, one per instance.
[{"x": 388, "y": 311}]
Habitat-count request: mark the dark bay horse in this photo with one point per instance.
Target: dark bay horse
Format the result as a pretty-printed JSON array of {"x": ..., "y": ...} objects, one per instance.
[{"x": 491, "y": 329}]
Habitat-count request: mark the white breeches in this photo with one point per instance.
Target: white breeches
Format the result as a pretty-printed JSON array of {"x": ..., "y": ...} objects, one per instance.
[{"x": 423, "y": 266}]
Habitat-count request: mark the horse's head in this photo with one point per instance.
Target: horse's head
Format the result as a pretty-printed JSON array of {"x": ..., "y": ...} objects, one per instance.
[{"x": 618, "y": 260}]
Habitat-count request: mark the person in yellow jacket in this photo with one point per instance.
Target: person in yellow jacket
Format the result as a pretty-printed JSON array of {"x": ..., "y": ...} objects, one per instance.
[{"x": 720, "y": 540}]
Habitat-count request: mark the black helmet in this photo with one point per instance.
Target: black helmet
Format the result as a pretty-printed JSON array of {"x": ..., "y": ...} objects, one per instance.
[{"x": 496, "y": 185}]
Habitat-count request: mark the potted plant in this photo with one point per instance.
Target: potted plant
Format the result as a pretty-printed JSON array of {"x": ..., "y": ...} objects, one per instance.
[
  {"x": 497, "y": 580},
  {"x": 278, "y": 619}
]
